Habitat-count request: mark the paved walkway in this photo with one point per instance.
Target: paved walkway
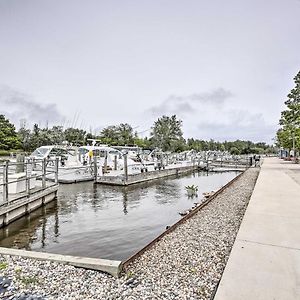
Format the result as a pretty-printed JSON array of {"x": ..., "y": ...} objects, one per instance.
[{"x": 265, "y": 259}]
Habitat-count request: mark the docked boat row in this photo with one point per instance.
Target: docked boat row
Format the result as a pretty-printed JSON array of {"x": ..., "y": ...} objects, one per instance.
[{"x": 77, "y": 164}]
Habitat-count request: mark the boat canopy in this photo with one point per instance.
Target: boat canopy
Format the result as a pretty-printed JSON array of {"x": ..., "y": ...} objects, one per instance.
[{"x": 52, "y": 151}]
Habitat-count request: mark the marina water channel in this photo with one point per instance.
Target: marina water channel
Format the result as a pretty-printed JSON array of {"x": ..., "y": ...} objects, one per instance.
[{"x": 108, "y": 222}]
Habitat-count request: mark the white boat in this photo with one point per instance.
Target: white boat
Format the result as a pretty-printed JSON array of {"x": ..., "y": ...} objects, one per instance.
[
  {"x": 67, "y": 155},
  {"x": 107, "y": 157},
  {"x": 77, "y": 163},
  {"x": 70, "y": 168},
  {"x": 133, "y": 152}
]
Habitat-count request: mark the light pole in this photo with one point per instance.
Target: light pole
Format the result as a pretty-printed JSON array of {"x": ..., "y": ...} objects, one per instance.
[
  {"x": 293, "y": 123},
  {"x": 294, "y": 152}
]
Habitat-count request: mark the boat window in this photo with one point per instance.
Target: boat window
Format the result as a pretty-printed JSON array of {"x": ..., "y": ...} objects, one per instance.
[
  {"x": 99, "y": 153},
  {"x": 54, "y": 151},
  {"x": 40, "y": 152},
  {"x": 82, "y": 151},
  {"x": 115, "y": 152},
  {"x": 71, "y": 152},
  {"x": 59, "y": 152}
]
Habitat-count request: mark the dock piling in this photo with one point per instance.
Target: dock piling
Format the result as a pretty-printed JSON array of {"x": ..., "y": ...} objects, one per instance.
[
  {"x": 5, "y": 182},
  {"x": 115, "y": 162},
  {"x": 20, "y": 165},
  {"x": 105, "y": 163},
  {"x": 125, "y": 167},
  {"x": 95, "y": 169},
  {"x": 28, "y": 175},
  {"x": 56, "y": 170},
  {"x": 44, "y": 165}
]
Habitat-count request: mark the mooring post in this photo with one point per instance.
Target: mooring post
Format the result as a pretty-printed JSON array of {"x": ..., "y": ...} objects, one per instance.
[
  {"x": 105, "y": 163},
  {"x": 56, "y": 170},
  {"x": 20, "y": 163},
  {"x": 95, "y": 169},
  {"x": 44, "y": 173},
  {"x": 125, "y": 167},
  {"x": 5, "y": 182},
  {"x": 115, "y": 163},
  {"x": 28, "y": 175}
]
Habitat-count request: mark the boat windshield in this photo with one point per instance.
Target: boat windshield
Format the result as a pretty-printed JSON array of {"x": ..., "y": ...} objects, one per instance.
[
  {"x": 40, "y": 152},
  {"x": 61, "y": 152}
]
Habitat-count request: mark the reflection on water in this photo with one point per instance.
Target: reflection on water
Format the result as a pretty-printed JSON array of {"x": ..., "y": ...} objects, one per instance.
[{"x": 105, "y": 221}]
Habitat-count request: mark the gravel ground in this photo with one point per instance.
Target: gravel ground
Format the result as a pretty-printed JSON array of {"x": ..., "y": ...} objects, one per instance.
[{"x": 185, "y": 264}]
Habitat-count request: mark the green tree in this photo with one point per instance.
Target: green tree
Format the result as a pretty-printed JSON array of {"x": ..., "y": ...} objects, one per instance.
[
  {"x": 8, "y": 137},
  {"x": 290, "y": 119},
  {"x": 121, "y": 134},
  {"x": 39, "y": 137},
  {"x": 167, "y": 134},
  {"x": 144, "y": 143},
  {"x": 24, "y": 136},
  {"x": 75, "y": 136},
  {"x": 109, "y": 135},
  {"x": 57, "y": 135},
  {"x": 125, "y": 134},
  {"x": 235, "y": 151},
  {"x": 284, "y": 139}
]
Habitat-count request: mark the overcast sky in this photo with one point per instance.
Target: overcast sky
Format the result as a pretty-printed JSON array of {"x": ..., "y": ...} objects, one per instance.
[{"x": 224, "y": 67}]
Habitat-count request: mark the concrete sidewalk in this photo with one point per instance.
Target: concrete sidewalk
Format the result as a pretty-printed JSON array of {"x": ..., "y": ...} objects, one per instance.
[{"x": 265, "y": 259}]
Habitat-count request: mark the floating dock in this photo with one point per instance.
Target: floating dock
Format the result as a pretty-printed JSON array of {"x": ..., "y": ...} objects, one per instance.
[
  {"x": 22, "y": 204},
  {"x": 21, "y": 192},
  {"x": 125, "y": 180}
]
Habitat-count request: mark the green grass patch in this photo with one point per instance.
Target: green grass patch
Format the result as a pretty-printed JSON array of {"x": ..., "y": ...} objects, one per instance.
[
  {"x": 129, "y": 275},
  {"x": 3, "y": 265},
  {"x": 27, "y": 280}
]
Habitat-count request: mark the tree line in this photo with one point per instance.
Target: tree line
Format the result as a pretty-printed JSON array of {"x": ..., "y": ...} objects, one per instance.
[
  {"x": 288, "y": 136},
  {"x": 166, "y": 134}
]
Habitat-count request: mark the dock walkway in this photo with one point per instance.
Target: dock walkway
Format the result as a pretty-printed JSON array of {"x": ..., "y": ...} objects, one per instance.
[{"x": 265, "y": 260}]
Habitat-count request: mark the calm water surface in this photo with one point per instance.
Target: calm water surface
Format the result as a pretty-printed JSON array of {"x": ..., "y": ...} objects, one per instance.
[{"x": 107, "y": 222}]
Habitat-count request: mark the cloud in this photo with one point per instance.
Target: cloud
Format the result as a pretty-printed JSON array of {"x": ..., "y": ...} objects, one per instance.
[
  {"x": 237, "y": 124},
  {"x": 215, "y": 97},
  {"x": 217, "y": 115},
  {"x": 173, "y": 107},
  {"x": 17, "y": 106},
  {"x": 186, "y": 104}
]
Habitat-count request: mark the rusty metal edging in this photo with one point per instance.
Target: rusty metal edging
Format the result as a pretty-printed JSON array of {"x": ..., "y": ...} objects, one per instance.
[{"x": 182, "y": 220}]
